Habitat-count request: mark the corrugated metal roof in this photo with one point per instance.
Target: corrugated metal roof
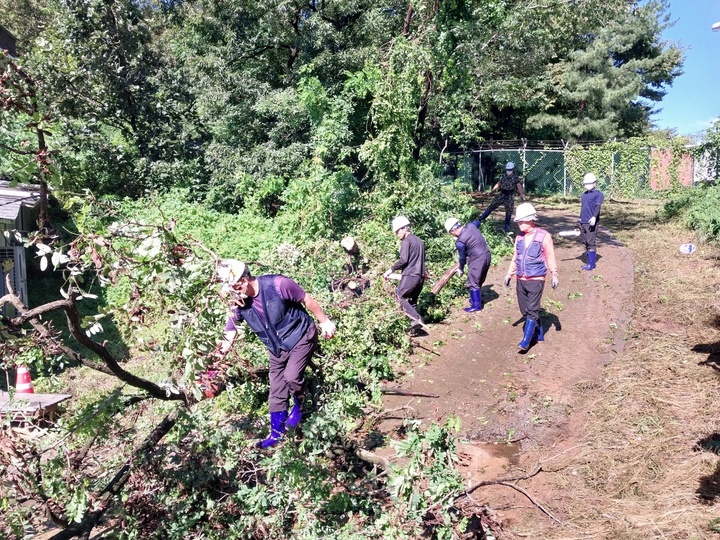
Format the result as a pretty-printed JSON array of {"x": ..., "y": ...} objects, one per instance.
[{"x": 11, "y": 199}]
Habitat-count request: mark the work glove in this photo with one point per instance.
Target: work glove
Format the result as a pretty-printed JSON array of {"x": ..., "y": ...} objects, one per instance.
[
  {"x": 592, "y": 221},
  {"x": 387, "y": 274},
  {"x": 458, "y": 272},
  {"x": 327, "y": 329},
  {"x": 555, "y": 282},
  {"x": 507, "y": 280}
]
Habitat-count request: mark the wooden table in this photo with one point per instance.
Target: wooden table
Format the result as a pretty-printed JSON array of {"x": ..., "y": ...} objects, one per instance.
[{"x": 30, "y": 407}]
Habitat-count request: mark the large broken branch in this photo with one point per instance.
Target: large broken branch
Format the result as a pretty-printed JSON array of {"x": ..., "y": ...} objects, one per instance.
[
  {"x": 69, "y": 306},
  {"x": 119, "y": 480}
]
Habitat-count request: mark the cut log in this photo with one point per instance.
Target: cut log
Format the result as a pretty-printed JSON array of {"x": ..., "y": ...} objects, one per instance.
[{"x": 450, "y": 272}]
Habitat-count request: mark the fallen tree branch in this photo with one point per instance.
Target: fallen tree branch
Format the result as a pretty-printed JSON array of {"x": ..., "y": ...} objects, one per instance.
[
  {"x": 507, "y": 482},
  {"x": 540, "y": 506},
  {"x": 370, "y": 421},
  {"x": 69, "y": 306},
  {"x": 113, "y": 488},
  {"x": 498, "y": 481},
  {"x": 395, "y": 391},
  {"x": 449, "y": 273}
]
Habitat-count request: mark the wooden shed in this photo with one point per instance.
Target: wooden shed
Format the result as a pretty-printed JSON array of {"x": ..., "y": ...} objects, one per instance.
[
  {"x": 19, "y": 209},
  {"x": 7, "y": 41}
]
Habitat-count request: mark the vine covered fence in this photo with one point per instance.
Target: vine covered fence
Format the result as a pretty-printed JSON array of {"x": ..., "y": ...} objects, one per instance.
[{"x": 624, "y": 169}]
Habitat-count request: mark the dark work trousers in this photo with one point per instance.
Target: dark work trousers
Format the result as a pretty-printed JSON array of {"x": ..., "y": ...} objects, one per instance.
[
  {"x": 529, "y": 293},
  {"x": 588, "y": 235},
  {"x": 505, "y": 199},
  {"x": 477, "y": 271},
  {"x": 407, "y": 293},
  {"x": 287, "y": 371}
]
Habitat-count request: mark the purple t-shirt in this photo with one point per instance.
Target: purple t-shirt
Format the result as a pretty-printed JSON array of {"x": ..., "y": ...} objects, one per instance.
[{"x": 286, "y": 288}]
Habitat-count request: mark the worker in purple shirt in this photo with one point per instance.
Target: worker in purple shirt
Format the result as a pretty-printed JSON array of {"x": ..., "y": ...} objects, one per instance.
[
  {"x": 473, "y": 250},
  {"x": 276, "y": 308},
  {"x": 590, "y": 204}
]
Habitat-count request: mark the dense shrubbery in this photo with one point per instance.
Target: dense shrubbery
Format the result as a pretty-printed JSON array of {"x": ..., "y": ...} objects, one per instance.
[
  {"x": 698, "y": 209},
  {"x": 151, "y": 263},
  {"x": 268, "y": 133}
]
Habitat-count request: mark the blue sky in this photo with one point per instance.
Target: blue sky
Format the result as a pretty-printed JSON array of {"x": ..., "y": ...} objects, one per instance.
[{"x": 693, "y": 101}]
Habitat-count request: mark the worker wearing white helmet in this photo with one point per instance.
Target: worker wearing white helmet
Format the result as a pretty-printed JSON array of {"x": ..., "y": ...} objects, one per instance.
[
  {"x": 533, "y": 258},
  {"x": 412, "y": 264},
  {"x": 473, "y": 249},
  {"x": 276, "y": 308},
  {"x": 507, "y": 185},
  {"x": 590, "y": 204}
]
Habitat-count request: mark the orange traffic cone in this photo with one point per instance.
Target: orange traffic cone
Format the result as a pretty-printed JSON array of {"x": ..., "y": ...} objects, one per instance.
[{"x": 23, "y": 384}]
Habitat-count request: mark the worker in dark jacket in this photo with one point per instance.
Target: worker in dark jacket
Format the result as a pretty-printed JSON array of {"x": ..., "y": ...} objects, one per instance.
[
  {"x": 276, "y": 308},
  {"x": 473, "y": 250},
  {"x": 507, "y": 186},
  {"x": 412, "y": 264},
  {"x": 590, "y": 204}
]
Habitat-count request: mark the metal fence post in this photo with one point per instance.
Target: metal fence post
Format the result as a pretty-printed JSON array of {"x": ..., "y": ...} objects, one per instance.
[
  {"x": 524, "y": 159},
  {"x": 565, "y": 145}
]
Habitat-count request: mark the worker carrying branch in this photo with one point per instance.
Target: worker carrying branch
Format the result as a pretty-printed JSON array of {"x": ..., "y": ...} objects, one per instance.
[
  {"x": 473, "y": 250},
  {"x": 412, "y": 264},
  {"x": 276, "y": 308}
]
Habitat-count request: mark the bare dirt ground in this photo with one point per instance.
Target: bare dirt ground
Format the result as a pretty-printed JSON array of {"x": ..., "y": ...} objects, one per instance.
[{"x": 572, "y": 413}]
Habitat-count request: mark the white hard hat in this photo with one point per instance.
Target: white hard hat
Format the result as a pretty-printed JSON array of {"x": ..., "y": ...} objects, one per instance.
[
  {"x": 451, "y": 223},
  {"x": 509, "y": 166},
  {"x": 230, "y": 271},
  {"x": 400, "y": 222},
  {"x": 589, "y": 178},
  {"x": 525, "y": 212}
]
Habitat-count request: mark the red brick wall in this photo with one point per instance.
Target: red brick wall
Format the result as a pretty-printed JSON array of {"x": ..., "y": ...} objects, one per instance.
[{"x": 660, "y": 162}]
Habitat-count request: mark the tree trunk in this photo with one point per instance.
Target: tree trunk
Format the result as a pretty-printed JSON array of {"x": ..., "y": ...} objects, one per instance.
[{"x": 422, "y": 115}]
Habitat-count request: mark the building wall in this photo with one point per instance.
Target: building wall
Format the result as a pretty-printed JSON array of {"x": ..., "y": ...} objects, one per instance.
[{"x": 660, "y": 167}]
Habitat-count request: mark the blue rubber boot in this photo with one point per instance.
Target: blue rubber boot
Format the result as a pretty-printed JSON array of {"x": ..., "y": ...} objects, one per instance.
[
  {"x": 475, "y": 301},
  {"x": 530, "y": 324},
  {"x": 295, "y": 416},
  {"x": 592, "y": 256},
  {"x": 277, "y": 429},
  {"x": 539, "y": 332}
]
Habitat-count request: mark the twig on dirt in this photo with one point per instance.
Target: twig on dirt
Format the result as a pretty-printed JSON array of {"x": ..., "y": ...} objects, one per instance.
[
  {"x": 499, "y": 481},
  {"x": 425, "y": 348},
  {"x": 397, "y": 409},
  {"x": 507, "y": 482},
  {"x": 395, "y": 391},
  {"x": 364, "y": 421},
  {"x": 564, "y": 452},
  {"x": 113, "y": 488},
  {"x": 540, "y": 506}
]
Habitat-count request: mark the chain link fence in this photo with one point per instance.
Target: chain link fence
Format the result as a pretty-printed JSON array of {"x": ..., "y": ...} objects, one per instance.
[{"x": 559, "y": 171}]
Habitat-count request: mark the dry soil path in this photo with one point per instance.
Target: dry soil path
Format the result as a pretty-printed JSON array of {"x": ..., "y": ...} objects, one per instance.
[{"x": 503, "y": 396}]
